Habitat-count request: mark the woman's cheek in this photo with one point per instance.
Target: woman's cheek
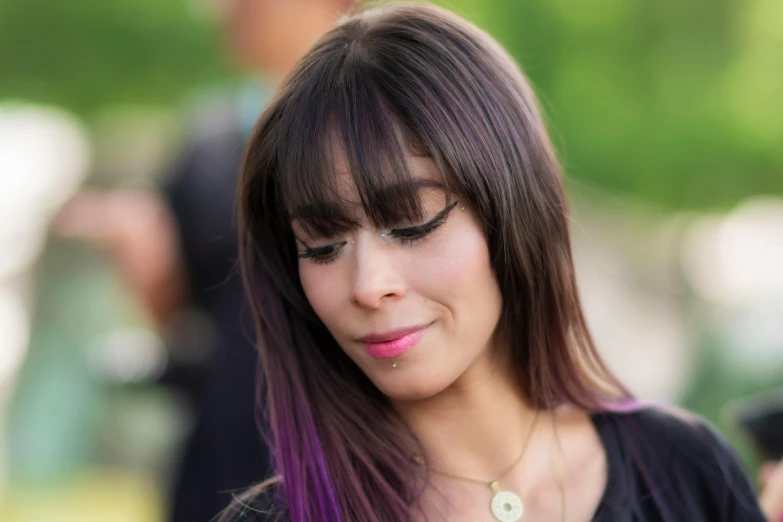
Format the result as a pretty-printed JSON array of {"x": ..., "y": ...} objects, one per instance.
[
  {"x": 319, "y": 287},
  {"x": 455, "y": 264}
]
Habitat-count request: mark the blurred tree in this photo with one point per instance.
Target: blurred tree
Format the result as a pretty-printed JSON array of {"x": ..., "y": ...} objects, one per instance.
[
  {"x": 670, "y": 101},
  {"x": 674, "y": 102},
  {"x": 87, "y": 54}
]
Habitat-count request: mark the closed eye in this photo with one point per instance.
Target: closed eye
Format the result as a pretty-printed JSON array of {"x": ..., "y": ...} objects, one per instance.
[
  {"x": 327, "y": 253},
  {"x": 412, "y": 234},
  {"x": 322, "y": 254}
]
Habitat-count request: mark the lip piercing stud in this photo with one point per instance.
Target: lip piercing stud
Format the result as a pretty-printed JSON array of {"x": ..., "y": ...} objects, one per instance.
[{"x": 394, "y": 365}]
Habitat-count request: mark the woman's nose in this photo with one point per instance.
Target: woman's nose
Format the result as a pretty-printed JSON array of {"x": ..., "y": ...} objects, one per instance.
[{"x": 376, "y": 279}]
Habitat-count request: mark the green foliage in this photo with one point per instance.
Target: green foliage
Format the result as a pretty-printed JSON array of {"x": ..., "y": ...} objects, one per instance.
[
  {"x": 86, "y": 54},
  {"x": 671, "y": 101},
  {"x": 674, "y": 101}
]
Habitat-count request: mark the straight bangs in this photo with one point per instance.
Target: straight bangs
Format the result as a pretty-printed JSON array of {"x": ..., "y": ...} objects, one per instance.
[{"x": 344, "y": 153}]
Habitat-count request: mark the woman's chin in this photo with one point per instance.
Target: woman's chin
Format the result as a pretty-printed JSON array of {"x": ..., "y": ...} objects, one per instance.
[{"x": 399, "y": 385}]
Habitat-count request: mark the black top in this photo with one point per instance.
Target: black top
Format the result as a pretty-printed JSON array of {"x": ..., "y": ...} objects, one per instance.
[{"x": 662, "y": 467}]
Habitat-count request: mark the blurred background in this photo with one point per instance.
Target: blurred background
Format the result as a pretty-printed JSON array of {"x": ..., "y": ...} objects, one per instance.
[{"x": 667, "y": 115}]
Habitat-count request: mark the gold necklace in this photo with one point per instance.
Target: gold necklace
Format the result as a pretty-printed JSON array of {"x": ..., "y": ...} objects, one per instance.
[{"x": 505, "y": 506}]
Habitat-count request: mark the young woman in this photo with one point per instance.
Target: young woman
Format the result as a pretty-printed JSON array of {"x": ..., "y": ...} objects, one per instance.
[{"x": 405, "y": 246}]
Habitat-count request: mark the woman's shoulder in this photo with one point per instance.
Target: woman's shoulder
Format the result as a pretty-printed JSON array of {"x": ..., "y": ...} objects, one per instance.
[
  {"x": 674, "y": 433},
  {"x": 671, "y": 437},
  {"x": 662, "y": 419},
  {"x": 259, "y": 503},
  {"x": 681, "y": 456}
]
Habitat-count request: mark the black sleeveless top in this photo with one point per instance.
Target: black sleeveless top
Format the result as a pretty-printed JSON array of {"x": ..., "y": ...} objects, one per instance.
[{"x": 662, "y": 467}]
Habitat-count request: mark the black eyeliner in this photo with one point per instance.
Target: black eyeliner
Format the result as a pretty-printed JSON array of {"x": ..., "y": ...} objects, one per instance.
[
  {"x": 440, "y": 216},
  {"x": 403, "y": 234}
]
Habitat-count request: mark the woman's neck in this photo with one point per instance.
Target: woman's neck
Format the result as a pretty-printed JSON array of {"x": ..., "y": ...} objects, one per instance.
[{"x": 477, "y": 426}]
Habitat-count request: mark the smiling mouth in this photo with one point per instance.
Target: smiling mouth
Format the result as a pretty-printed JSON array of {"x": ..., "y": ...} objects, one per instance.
[{"x": 393, "y": 343}]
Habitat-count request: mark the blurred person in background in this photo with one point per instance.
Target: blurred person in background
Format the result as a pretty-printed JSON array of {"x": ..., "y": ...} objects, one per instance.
[{"x": 177, "y": 250}]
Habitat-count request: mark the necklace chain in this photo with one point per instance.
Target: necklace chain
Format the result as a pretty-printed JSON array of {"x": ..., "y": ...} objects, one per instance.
[
  {"x": 506, "y": 472},
  {"x": 493, "y": 484}
]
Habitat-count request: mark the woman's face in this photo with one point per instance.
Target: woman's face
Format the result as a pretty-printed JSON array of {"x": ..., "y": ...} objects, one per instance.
[{"x": 415, "y": 306}]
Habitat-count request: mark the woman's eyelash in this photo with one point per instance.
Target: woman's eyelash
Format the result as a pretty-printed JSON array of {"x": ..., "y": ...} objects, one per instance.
[
  {"x": 411, "y": 234},
  {"x": 322, "y": 254},
  {"x": 327, "y": 253}
]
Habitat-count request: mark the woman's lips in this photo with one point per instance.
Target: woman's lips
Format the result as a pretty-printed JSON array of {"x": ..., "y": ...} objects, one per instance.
[{"x": 392, "y": 343}]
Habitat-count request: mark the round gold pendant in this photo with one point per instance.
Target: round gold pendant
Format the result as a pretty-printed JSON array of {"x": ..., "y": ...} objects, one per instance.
[{"x": 507, "y": 506}]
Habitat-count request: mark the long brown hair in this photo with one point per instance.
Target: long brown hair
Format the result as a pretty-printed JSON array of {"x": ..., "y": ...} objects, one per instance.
[{"x": 383, "y": 83}]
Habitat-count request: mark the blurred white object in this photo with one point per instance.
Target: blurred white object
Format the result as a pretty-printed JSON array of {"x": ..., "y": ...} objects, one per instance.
[
  {"x": 624, "y": 255},
  {"x": 14, "y": 334},
  {"x": 737, "y": 260},
  {"x": 44, "y": 156},
  {"x": 128, "y": 355}
]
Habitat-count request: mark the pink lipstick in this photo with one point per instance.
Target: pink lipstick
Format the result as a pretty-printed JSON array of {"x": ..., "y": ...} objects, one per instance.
[{"x": 392, "y": 343}]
